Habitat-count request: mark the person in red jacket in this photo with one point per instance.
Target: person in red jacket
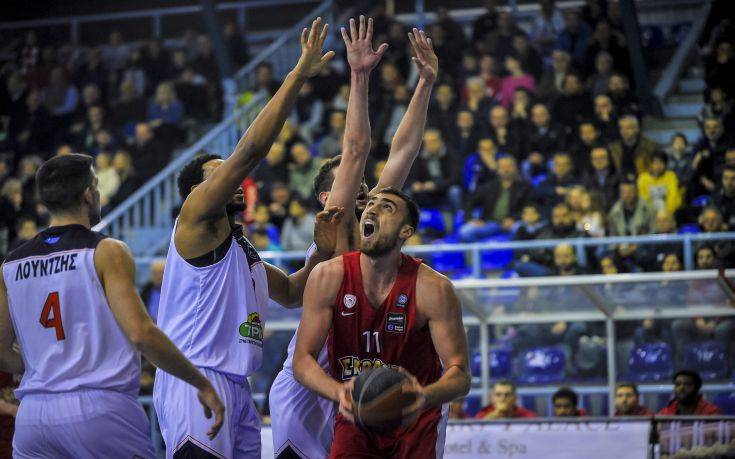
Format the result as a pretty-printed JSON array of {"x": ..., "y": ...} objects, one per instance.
[
  {"x": 687, "y": 400},
  {"x": 627, "y": 401},
  {"x": 565, "y": 402},
  {"x": 504, "y": 403}
]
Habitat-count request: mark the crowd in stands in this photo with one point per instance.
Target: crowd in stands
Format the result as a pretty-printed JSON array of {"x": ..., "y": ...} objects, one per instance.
[{"x": 128, "y": 104}]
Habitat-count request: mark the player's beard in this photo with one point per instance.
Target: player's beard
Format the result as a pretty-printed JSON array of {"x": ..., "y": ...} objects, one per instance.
[{"x": 381, "y": 247}]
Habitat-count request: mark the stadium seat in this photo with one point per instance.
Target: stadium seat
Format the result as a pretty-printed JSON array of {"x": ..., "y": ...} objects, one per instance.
[
  {"x": 701, "y": 201},
  {"x": 496, "y": 259},
  {"x": 500, "y": 364},
  {"x": 471, "y": 405},
  {"x": 692, "y": 228},
  {"x": 726, "y": 401},
  {"x": 650, "y": 362},
  {"x": 273, "y": 234},
  {"x": 709, "y": 358},
  {"x": 542, "y": 365},
  {"x": 448, "y": 261},
  {"x": 432, "y": 219}
]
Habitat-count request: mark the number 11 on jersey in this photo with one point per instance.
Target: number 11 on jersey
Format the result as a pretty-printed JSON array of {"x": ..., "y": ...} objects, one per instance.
[
  {"x": 376, "y": 336},
  {"x": 52, "y": 304}
]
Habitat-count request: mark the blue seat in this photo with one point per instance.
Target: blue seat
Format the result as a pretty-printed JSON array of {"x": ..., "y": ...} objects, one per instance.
[
  {"x": 692, "y": 228},
  {"x": 448, "y": 261},
  {"x": 651, "y": 36},
  {"x": 273, "y": 234},
  {"x": 701, "y": 201},
  {"x": 542, "y": 365},
  {"x": 537, "y": 180},
  {"x": 650, "y": 362},
  {"x": 726, "y": 401},
  {"x": 708, "y": 358},
  {"x": 432, "y": 219},
  {"x": 500, "y": 364},
  {"x": 471, "y": 405},
  {"x": 496, "y": 259}
]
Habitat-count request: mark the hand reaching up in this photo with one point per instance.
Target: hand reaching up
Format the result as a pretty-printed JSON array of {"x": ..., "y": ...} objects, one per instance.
[
  {"x": 425, "y": 57},
  {"x": 312, "y": 41},
  {"x": 360, "y": 53}
]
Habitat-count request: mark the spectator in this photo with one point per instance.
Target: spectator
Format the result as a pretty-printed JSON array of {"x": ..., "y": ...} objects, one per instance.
[
  {"x": 624, "y": 101},
  {"x": 500, "y": 200},
  {"x": 588, "y": 137},
  {"x": 627, "y": 401},
  {"x": 547, "y": 26},
  {"x": 476, "y": 99},
  {"x": 466, "y": 134},
  {"x": 498, "y": 43},
  {"x": 555, "y": 188},
  {"x": 605, "y": 40},
  {"x": 602, "y": 178},
  {"x": 724, "y": 198},
  {"x": 150, "y": 155},
  {"x": 265, "y": 82},
  {"x": 302, "y": 170},
  {"x": 719, "y": 66},
  {"x": 11, "y": 209},
  {"x": 443, "y": 111},
  {"x": 552, "y": 81},
  {"x": 122, "y": 163},
  {"x": 687, "y": 400},
  {"x": 575, "y": 36},
  {"x": 489, "y": 73},
  {"x": 606, "y": 118},
  {"x": 308, "y": 112},
  {"x": 483, "y": 165},
  {"x": 151, "y": 292},
  {"x": 573, "y": 104},
  {"x": 486, "y": 23},
  {"x": 592, "y": 217},
  {"x": 529, "y": 58},
  {"x": 298, "y": 229},
  {"x": 61, "y": 97},
  {"x": 565, "y": 402},
  {"x": 659, "y": 186},
  {"x": 26, "y": 230},
  {"x": 195, "y": 95},
  {"x": 115, "y": 52},
  {"x": 331, "y": 144},
  {"x": 709, "y": 153},
  {"x": 34, "y": 130},
  {"x": 274, "y": 169},
  {"x": 280, "y": 197},
  {"x": 129, "y": 108},
  {"x": 95, "y": 123},
  {"x": 544, "y": 138},
  {"x": 718, "y": 105},
  {"x": 165, "y": 108},
  {"x": 530, "y": 225},
  {"x": 680, "y": 157},
  {"x": 262, "y": 240},
  {"x": 650, "y": 256},
  {"x": 517, "y": 78},
  {"x": 508, "y": 136},
  {"x": 108, "y": 180},
  {"x": 630, "y": 216},
  {"x": 711, "y": 221},
  {"x": 434, "y": 178},
  {"x": 633, "y": 152},
  {"x": 565, "y": 261},
  {"x": 503, "y": 403},
  {"x": 599, "y": 81},
  {"x": 237, "y": 46}
]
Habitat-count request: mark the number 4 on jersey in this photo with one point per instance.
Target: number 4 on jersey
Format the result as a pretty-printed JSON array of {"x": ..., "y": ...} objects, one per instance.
[{"x": 52, "y": 304}]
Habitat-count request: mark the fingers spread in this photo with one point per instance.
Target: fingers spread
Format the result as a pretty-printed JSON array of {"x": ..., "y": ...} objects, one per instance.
[
  {"x": 303, "y": 36},
  {"x": 327, "y": 57},
  {"x": 383, "y": 48},
  {"x": 369, "y": 35},
  {"x": 345, "y": 37},
  {"x": 363, "y": 29},
  {"x": 323, "y": 35},
  {"x": 353, "y": 30}
]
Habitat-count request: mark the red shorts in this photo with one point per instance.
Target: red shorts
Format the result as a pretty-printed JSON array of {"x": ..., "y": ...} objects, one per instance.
[{"x": 420, "y": 440}]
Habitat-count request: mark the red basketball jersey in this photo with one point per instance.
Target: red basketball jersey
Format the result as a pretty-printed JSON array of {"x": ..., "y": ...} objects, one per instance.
[{"x": 362, "y": 337}]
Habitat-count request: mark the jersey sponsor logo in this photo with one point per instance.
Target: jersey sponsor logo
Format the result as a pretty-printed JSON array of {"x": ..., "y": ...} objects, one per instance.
[
  {"x": 395, "y": 322},
  {"x": 349, "y": 300},
  {"x": 402, "y": 300},
  {"x": 352, "y": 366},
  {"x": 252, "y": 330},
  {"x": 47, "y": 266}
]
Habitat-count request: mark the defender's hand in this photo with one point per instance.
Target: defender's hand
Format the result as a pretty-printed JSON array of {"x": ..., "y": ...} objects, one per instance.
[
  {"x": 425, "y": 57},
  {"x": 326, "y": 229},
  {"x": 312, "y": 40},
  {"x": 212, "y": 403},
  {"x": 360, "y": 54}
]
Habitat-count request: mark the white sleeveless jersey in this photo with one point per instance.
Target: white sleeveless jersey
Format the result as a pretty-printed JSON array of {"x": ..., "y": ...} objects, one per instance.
[
  {"x": 68, "y": 337},
  {"x": 323, "y": 358},
  {"x": 215, "y": 314}
]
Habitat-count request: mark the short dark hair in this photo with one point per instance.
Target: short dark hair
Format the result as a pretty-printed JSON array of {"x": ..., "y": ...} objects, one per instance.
[
  {"x": 566, "y": 392},
  {"x": 628, "y": 179},
  {"x": 325, "y": 178},
  {"x": 62, "y": 180},
  {"x": 629, "y": 385},
  {"x": 413, "y": 208},
  {"x": 192, "y": 174},
  {"x": 505, "y": 382},
  {"x": 661, "y": 156},
  {"x": 692, "y": 374}
]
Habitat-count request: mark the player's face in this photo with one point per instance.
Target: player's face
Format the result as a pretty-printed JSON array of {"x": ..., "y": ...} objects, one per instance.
[
  {"x": 237, "y": 203},
  {"x": 382, "y": 224},
  {"x": 625, "y": 400}
]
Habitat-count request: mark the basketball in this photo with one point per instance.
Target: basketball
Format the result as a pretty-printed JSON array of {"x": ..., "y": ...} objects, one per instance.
[{"x": 379, "y": 399}]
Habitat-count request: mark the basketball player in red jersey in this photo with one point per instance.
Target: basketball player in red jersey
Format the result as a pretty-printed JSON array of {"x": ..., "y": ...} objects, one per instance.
[{"x": 379, "y": 307}]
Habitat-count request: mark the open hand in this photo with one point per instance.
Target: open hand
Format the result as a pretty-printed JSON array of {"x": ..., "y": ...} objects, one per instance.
[
  {"x": 425, "y": 57},
  {"x": 312, "y": 40},
  {"x": 360, "y": 53},
  {"x": 326, "y": 229}
]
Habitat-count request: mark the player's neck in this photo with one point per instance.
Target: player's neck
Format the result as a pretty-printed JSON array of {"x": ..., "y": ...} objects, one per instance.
[
  {"x": 380, "y": 270},
  {"x": 70, "y": 219}
]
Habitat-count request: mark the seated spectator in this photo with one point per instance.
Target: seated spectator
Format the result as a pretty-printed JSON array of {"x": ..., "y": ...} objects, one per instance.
[
  {"x": 499, "y": 42},
  {"x": 680, "y": 157},
  {"x": 149, "y": 153},
  {"x": 466, "y": 134},
  {"x": 280, "y": 197},
  {"x": 129, "y": 108},
  {"x": 507, "y": 134},
  {"x": 659, "y": 186},
  {"x": 724, "y": 198},
  {"x": 547, "y": 26},
  {"x": 503, "y": 403},
  {"x": 302, "y": 170},
  {"x": 476, "y": 99},
  {"x": 331, "y": 144},
  {"x": 718, "y": 105},
  {"x": 165, "y": 108},
  {"x": 486, "y": 23},
  {"x": 262, "y": 240},
  {"x": 565, "y": 402},
  {"x": 543, "y": 138},
  {"x": 580, "y": 148},
  {"x": 711, "y": 221},
  {"x": 489, "y": 73},
  {"x": 633, "y": 152},
  {"x": 575, "y": 36},
  {"x": 687, "y": 400},
  {"x": 529, "y": 58},
  {"x": 435, "y": 176},
  {"x": 122, "y": 162},
  {"x": 443, "y": 109},
  {"x": 530, "y": 225},
  {"x": 598, "y": 82},
  {"x": 26, "y": 230},
  {"x": 151, "y": 292},
  {"x": 273, "y": 169},
  {"x": 627, "y": 401},
  {"x": 265, "y": 82},
  {"x": 622, "y": 98},
  {"x": 606, "y": 40},
  {"x": 565, "y": 261},
  {"x": 630, "y": 216},
  {"x": 60, "y": 96},
  {"x": 298, "y": 228},
  {"x": 606, "y": 118},
  {"x": 710, "y": 150},
  {"x": 500, "y": 201},
  {"x": 555, "y": 188},
  {"x": 602, "y": 178},
  {"x": 552, "y": 81},
  {"x": 485, "y": 166},
  {"x": 592, "y": 214},
  {"x": 195, "y": 94},
  {"x": 517, "y": 78},
  {"x": 650, "y": 256},
  {"x": 33, "y": 130},
  {"x": 574, "y": 104},
  {"x": 108, "y": 180}
]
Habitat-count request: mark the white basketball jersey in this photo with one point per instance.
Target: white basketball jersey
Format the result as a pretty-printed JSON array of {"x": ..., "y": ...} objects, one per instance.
[
  {"x": 216, "y": 313},
  {"x": 69, "y": 338}
]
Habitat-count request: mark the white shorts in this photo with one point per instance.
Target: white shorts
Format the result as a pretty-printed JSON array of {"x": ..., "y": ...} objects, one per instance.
[
  {"x": 184, "y": 426},
  {"x": 300, "y": 419},
  {"x": 82, "y": 424}
]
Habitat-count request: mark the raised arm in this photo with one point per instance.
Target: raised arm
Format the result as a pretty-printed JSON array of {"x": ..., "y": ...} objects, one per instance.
[
  {"x": 289, "y": 290},
  {"x": 116, "y": 270},
  {"x": 10, "y": 359},
  {"x": 356, "y": 144},
  {"x": 208, "y": 200},
  {"x": 438, "y": 301},
  {"x": 406, "y": 143}
]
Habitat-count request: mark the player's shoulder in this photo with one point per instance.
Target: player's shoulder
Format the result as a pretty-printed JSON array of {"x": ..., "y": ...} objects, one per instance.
[
  {"x": 330, "y": 268},
  {"x": 57, "y": 239},
  {"x": 112, "y": 251},
  {"x": 432, "y": 279}
]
